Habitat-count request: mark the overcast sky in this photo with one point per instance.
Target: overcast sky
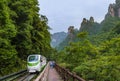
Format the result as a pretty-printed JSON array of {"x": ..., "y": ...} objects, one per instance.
[{"x": 64, "y": 13}]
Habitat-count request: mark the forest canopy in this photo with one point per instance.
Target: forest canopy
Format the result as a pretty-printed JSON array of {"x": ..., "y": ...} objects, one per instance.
[{"x": 23, "y": 31}]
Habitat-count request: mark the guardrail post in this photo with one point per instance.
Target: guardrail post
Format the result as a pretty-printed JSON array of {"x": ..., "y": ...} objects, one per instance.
[
  {"x": 73, "y": 76},
  {"x": 64, "y": 74}
]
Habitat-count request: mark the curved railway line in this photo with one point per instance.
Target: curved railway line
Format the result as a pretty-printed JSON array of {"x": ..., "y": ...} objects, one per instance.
[
  {"x": 19, "y": 76},
  {"x": 24, "y": 75},
  {"x": 13, "y": 76}
]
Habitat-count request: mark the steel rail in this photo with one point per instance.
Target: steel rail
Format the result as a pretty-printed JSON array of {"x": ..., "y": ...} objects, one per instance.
[
  {"x": 24, "y": 77},
  {"x": 17, "y": 74}
]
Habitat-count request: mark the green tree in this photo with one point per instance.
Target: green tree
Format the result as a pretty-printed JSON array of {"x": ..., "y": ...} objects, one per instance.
[
  {"x": 117, "y": 3},
  {"x": 23, "y": 31},
  {"x": 23, "y": 20},
  {"x": 8, "y": 54},
  {"x": 32, "y": 29}
]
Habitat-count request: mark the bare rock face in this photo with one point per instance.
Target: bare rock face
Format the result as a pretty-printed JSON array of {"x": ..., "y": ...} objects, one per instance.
[
  {"x": 84, "y": 21},
  {"x": 91, "y": 19},
  {"x": 118, "y": 12},
  {"x": 114, "y": 9},
  {"x": 111, "y": 10},
  {"x": 70, "y": 29},
  {"x": 70, "y": 32}
]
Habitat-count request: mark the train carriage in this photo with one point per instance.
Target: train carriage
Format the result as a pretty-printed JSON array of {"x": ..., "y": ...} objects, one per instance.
[{"x": 35, "y": 62}]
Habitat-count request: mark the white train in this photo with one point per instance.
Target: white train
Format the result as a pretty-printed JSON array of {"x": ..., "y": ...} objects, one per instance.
[{"x": 35, "y": 62}]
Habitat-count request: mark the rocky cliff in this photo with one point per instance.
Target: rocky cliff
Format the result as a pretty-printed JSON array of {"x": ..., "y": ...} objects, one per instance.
[
  {"x": 89, "y": 26},
  {"x": 57, "y": 38},
  {"x": 114, "y": 9}
]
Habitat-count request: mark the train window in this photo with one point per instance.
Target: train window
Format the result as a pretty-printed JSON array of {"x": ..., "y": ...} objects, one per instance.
[{"x": 33, "y": 58}]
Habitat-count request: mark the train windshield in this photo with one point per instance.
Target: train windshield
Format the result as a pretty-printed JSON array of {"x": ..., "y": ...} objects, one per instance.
[{"x": 33, "y": 58}]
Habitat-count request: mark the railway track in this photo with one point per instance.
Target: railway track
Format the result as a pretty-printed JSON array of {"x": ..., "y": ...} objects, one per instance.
[
  {"x": 27, "y": 77},
  {"x": 24, "y": 75},
  {"x": 13, "y": 76},
  {"x": 19, "y": 76}
]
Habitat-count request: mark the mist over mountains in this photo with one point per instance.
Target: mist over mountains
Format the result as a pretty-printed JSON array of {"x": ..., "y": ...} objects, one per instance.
[
  {"x": 57, "y": 38},
  {"x": 89, "y": 26}
]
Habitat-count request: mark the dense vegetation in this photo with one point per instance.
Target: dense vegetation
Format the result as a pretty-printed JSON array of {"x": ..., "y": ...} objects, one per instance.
[
  {"x": 23, "y": 31},
  {"x": 93, "y": 51},
  {"x": 94, "y": 57}
]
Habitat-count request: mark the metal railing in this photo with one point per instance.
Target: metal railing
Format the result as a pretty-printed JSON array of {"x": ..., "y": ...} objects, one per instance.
[
  {"x": 12, "y": 76},
  {"x": 67, "y": 75}
]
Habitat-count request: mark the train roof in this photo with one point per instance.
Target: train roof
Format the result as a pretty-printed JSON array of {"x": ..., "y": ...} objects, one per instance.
[{"x": 36, "y": 55}]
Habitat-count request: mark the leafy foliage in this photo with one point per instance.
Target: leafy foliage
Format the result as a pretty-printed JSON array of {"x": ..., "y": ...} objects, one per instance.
[
  {"x": 23, "y": 31},
  {"x": 94, "y": 56},
  {"x": 89, "y": 26},
  {"x": 99, "y": 63},
  {"x": 7, "y": 32},
  {"x": 109, "y": 23}
]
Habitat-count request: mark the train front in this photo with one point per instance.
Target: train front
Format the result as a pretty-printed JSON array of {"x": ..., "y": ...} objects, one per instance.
[{"x": 33, "y": 63}]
